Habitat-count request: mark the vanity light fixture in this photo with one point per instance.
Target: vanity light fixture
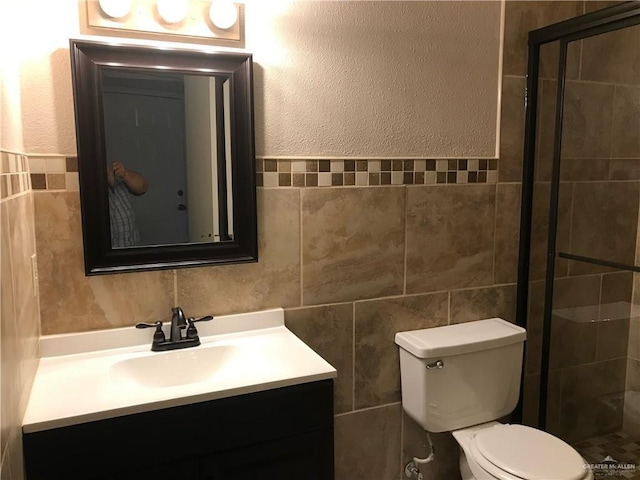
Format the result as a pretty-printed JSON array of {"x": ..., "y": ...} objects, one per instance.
[
  {"x": 191, "y": 21},
  {"x": 172, "y": 11},
  {"x": 223, "y": 14},
  {"x": 115, "y": 8}
]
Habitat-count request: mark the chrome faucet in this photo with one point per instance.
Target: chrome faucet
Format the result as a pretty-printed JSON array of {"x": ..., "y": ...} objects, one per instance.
[{"x": 176, "y": 340}]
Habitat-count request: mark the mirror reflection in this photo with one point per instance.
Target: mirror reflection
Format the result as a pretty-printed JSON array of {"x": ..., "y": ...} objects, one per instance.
[{"x": 168, "y": 154}]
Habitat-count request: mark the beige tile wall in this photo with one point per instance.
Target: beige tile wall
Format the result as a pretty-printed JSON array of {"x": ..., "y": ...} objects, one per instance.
[
  {"x": 351, "y": 266},
  {"x": 19, "y": 314}
]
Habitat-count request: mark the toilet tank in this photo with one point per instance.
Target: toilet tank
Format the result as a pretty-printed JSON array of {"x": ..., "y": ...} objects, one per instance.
[{"x": 460, "y": 375}]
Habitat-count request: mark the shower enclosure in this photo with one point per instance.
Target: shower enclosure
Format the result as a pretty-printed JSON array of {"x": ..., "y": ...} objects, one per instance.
[{"x": 579, "y": 264}]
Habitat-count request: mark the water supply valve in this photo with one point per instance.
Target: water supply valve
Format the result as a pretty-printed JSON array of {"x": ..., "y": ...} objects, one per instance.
[{"x": 411, "y": 470}]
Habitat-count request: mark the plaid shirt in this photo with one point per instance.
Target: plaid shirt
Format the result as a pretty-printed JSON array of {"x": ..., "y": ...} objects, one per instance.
[{"x": 124, "y": 231}]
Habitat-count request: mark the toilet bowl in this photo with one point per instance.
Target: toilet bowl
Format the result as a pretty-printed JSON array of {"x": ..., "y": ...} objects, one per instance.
[
  {"x": 461, "y": 379},
  {"x": 517, "y": 452}
]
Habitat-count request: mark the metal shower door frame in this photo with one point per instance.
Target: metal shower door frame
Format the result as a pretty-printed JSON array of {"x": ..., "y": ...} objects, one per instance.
[{"x": 596, "y": 23}]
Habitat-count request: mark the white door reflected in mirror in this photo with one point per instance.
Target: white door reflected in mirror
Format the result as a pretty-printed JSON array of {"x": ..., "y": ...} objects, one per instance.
[{"x": 171, "y": 130}]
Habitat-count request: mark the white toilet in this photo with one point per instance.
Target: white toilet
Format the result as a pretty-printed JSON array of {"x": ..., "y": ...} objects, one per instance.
[{"x": 461, "y": 379}]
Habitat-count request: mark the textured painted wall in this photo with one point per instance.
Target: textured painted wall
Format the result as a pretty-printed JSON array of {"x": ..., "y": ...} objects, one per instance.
[
  {"x": 47, "y": 105},
  {"x": 10, "y": 113},
  {"x": 332, "y": 78},
  {"x": 39, "y": 116},
  {"x": 375, "y": 78}
]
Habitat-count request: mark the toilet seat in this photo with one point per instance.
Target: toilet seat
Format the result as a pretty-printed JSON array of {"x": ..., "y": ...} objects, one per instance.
[{"x": 518, "y": 452}]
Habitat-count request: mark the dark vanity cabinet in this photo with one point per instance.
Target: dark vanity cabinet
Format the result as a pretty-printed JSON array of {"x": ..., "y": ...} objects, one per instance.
[{"x": 283, "y": 434}]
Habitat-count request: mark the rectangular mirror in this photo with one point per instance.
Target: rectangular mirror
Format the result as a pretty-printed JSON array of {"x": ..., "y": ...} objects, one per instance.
[{"x": 166, "y": 156}]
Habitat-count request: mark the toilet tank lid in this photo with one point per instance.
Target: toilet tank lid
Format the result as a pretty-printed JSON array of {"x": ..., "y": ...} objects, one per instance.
[{"x": 461, "y": 338}]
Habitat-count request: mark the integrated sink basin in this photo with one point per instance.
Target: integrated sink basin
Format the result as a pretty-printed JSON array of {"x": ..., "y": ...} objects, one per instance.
[
  {"x": 173, "y": 368},
  {"x": 97, "y": 375}
]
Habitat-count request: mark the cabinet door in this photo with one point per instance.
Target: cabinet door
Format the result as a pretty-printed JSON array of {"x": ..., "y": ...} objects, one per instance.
[
  {"x": 303, "y": 457},
  {"x": 286, "y": 430},
  {"x": 186, "y": 470}
]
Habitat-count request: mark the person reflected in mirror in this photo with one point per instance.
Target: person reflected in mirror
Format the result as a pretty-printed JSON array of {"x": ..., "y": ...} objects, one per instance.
[{"x": 123, "y": 183}]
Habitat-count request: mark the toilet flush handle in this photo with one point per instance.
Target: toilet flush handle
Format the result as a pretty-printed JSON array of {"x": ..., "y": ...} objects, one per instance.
[{"x": 436, "y": 364}]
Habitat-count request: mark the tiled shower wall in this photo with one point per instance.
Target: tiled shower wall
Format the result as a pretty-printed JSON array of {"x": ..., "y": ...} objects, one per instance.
[
  {"x": 598, "y": 217},
  {"x": 19, "y": 315}
]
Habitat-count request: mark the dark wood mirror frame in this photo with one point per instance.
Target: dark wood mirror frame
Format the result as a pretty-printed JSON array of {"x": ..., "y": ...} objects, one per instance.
[{"x": 87, "y": 57}]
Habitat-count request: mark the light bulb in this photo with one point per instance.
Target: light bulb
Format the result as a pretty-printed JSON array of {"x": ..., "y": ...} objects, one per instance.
[
  {"x": 223, "y": 14},
  {"x": 172, "y": 11},
  {"x": 115, "y": 8}
]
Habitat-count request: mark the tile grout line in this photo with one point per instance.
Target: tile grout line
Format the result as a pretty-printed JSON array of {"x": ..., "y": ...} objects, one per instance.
[
  {"x": 500, "y": 86},
  {"x": 365, "y": 158},
  {"x": 353, "y": 356},
  {"x": 411, "y": 295},
  {"x": 401, "y": 442},
  {"x": 495, "y": 232},
  {"x": 301, "y": 246},
  {"x": 368, "y": 409},
  {"x": 598, "y": 319},
  {"x": 406, "y": 240},
  {"x": 175, "y": 287},
  {"x": 571, "y": 212},
  {"x": 613, "y": 118}
]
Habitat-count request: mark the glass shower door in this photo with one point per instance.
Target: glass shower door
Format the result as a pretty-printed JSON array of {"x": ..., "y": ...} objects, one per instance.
[{"x": 583, "y": 287}]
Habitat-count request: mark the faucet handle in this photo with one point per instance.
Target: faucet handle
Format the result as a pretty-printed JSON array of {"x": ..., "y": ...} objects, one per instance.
[
  {"x": 149, "y": 325},
  {"x": 158, "y": 335},
  {"x": 192, "y": 332}
]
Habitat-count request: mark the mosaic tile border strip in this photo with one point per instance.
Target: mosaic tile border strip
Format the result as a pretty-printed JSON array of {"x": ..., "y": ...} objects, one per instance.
[
  {"x": 337, "y": 173},
  {"x": 53, "y": 172},
  {"x": 14, "y": 174}
]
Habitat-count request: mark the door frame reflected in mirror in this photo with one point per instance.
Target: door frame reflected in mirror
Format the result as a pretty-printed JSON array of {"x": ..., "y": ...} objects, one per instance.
[{"x": 87, "y": 59}]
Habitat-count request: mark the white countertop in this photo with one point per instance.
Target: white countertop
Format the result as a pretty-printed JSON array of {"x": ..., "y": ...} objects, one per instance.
[{"x": 85, "y": 377}]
